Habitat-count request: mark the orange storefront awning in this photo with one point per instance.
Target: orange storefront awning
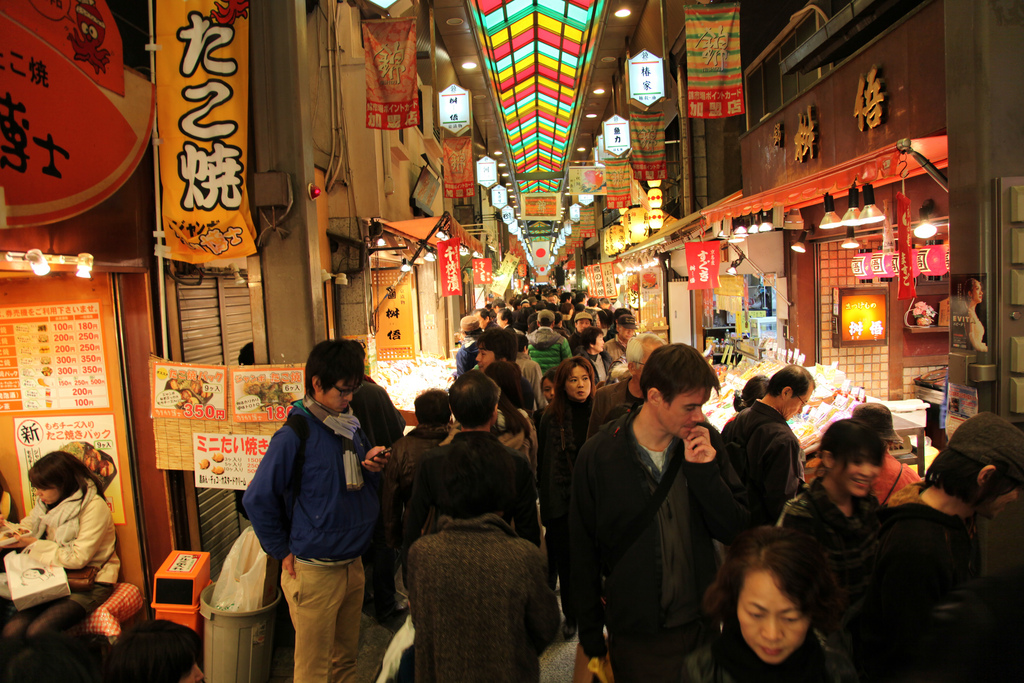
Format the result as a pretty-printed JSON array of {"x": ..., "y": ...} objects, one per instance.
[
  {"x": 418, "y": 229},
  {"x": 878, "y": 168}
]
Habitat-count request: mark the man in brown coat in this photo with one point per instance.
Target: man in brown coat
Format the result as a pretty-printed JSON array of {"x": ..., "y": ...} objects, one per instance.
[
  {"x": 478, "y": 593},
  {"x": 623, "y": 394}
]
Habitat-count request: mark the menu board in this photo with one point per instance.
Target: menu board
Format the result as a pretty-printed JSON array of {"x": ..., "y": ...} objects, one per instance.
[
  {"x": 51, "y": 357},
  {"x": 264, "y": 393},
  {"x": 189, "y": 391},
  {"x": 227, "y": 461}
]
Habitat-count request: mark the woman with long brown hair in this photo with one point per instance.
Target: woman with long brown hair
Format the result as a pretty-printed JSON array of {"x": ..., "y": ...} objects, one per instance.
[
  {"x": 70, "y": 526},
  {"x": 563, "y": 430},
  {"x": 514, "y": 427}
]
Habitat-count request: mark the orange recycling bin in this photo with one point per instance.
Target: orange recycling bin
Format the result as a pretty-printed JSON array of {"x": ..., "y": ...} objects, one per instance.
[{"x": 177, "y": 587}]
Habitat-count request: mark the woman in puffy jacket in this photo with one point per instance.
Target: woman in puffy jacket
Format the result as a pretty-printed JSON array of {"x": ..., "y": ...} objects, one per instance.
[
  {"x": 69, "y": 526},
  {"x": 774, "y": 597}
]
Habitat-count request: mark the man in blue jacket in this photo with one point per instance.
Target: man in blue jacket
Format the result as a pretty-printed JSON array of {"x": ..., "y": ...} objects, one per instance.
[{"x": 317, "y": 515}]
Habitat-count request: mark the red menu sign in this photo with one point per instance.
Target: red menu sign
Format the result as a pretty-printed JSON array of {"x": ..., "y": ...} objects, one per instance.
[
  {"x": 702, "y": 260},
  {"x": 482, "y": 271}
]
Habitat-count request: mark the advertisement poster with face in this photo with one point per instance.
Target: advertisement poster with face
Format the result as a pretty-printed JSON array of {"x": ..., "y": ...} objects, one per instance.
[{"x": 968, "y": 313}]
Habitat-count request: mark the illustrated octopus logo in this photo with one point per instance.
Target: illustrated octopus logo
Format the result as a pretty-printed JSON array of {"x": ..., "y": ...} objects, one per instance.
[{"x": 88, "y": 36}]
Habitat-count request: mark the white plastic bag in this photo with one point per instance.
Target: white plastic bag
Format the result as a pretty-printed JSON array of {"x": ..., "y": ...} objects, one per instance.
[
  {"x": 402, "y": 641},
  {"x": 240, "y": 585}
]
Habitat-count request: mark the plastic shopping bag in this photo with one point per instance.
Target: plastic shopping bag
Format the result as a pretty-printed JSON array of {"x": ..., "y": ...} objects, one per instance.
[
  {"x": 402, "y": 641},
  {"x": 32, "y": 583},
  {"x": 240, "y": 585}
]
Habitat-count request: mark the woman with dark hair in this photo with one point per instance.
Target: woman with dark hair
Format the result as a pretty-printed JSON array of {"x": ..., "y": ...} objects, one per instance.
[
  {"x": 592, "y": 348},
  {"x": 48, "y": 658},
  {"x": 755, "y": 388},
  {"x": 514, "y": 427},
  {"x": 547, "y": 387},
  {"x": 774, "y": 597},
  {"x": 71, "y": 526},
  {"x": 839, "y": 509},
  {"x": 563, "y": 430},
  {"x": 156, "y": 652}
]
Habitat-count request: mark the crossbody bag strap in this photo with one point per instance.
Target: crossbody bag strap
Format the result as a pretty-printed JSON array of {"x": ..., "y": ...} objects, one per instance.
[
  {"x": 635, "y": 528},
  {"x": 300, "y": 426},
  {"x": 894, "y": 484}
]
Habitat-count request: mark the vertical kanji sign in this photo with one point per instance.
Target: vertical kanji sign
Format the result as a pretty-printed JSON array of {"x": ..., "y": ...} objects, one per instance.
[
  {"x": 714, "y": 75},
  {"x": 648, "y": 158},
  {"x": 482, "y": 274},
  {"x": 702, "y": 259},
  {"x": 203, "y": 109},
  {"x": 907, "y": 290},
  {"x": 396, "y": 318},
  {"x": 448, "y": 264},
  {"x": 392, "y": 99},
  {"x": 458, "y": 168}
]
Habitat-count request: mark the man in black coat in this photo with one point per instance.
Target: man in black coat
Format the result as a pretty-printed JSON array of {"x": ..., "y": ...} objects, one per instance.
[
  {"x": 772, "y": 469},
  {"x": 474, "y": 401},
  {"x": 652, "y": 575}
]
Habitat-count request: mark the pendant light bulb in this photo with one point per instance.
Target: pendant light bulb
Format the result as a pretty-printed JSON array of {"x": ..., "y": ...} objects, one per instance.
[
  {"x": 850, "y": 242},
  {"x": 831, "y": 219},
  {"x": 852, "y": 216}
]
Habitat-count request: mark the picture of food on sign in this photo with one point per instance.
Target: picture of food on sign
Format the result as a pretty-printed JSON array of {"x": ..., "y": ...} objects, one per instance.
[
  {"x": 44, "y": 337},
  {"x": 41, "y": 328},
  {"x": 47, "y": 370},
  {"x": 217, "y": 469},
  {"x": 268, "y": 393},
  {"x": 217, "y": 457},
  {"x": 204, "y": 464},
  {"x": 98, "y": 462},
  {"x": 44, "y": 349},
  {"x": 45, "y": 360},
  {"x": 190, "y": 391}
]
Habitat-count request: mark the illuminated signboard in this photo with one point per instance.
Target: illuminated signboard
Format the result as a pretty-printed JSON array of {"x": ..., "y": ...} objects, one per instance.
[{"x": 863, "y": 318}]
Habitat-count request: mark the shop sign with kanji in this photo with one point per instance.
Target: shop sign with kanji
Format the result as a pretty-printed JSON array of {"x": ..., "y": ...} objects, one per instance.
[
  {"x": 574, "y": 213},
  {"x": 450, "y": 270},
  {"x": 227, "y": 461},
  {"x": 616, "y": 135},
  {"x": 499, "y": 197},
  {"x": 458, "y": 167},
  {"x": 869, "y": 107},
  {"x": 389, "y": 53},
  {"x": 265, "y": 393},
  {"x": 508, "y": 215},
  {"x": 714, "y": 73},
  {"x": 482, "y": 274},
  {"x": 487, "y": 171},
  {"x": 702, "y": 260},
  {"x": 586, "y": 199},
  {"x": 202, "y": 102},
  {"x": 395, "y": 319},
  {"x": 73, "y": 123},
  {"x": 453, "y": 108},
  {"x": 646, "y": 78},
  {"x": 191, "y": 392}
]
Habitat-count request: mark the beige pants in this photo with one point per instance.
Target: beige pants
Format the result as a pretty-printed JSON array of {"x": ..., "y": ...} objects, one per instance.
[{"x": 325, "y": 605}]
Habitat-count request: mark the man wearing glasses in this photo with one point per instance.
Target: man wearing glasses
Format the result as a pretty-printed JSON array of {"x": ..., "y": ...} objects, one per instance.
[
  {"x": 764, "y": 450},
  {"x": 317, "y": 516}
]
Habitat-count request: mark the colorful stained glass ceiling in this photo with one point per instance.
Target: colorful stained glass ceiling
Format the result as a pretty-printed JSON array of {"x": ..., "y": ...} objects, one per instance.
[{"x": 537, "y": 53}]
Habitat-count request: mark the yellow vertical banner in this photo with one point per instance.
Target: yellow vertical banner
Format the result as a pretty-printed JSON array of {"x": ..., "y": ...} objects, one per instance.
[
  {"x": 395, "y": 319},
  {"x": 202, "y": 99}
]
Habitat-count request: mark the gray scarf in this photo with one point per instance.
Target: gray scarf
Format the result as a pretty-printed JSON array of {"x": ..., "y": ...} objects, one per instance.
[
  {"x": 65, "y": 517},
  {"x": 344, "y": 425}
]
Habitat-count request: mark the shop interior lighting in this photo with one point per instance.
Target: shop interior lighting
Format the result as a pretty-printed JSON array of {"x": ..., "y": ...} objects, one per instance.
[
  {"x": 623, "y": 13},
  {"x": 850, "y": 242},
  {"x": 870, "y": 214},
  {"x": 84, "y": 265},
  {"x": 766, "y": 221},
  {"x": 800, "y": 246},
  {"x": 429, "y": 256},
  {"x": 239, "y": 279},
  {"x": 442, "y": 235},
  {"x": 738, "y": 229},
  {"x": 926, "y": 229},
  {"x": 405, "y": 265},
  {"x": 381, "y": 242},
  {"x": 831, "y": 219},
  {"x": 852, "y": 216}
]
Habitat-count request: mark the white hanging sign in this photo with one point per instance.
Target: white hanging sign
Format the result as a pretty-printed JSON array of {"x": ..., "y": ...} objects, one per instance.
[
  {"x": 585, "y": 199},
  {"x": 487, "y": 171},
  {"x": 574, "y": 213},
  {"x": 616, "y": 135},
  {"x": 646, "y": 78},
  {"x": 499, "y": 196},
  {"x": 453, "y": 106},
  {"x": 508, "y": 215}
]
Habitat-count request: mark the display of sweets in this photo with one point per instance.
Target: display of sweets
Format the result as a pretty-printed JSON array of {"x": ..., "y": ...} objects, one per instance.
[{"x": 404, "y": 380}]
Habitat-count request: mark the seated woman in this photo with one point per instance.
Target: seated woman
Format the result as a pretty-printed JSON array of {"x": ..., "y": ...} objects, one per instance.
[
  {"x": 772, "y": 590},
  {"x": 839, "y": 509},
  {"x": 157, "y": 652},
  {"x": 70, "y": 526},
  {"x": 478, "y": 593},
  {"x": 592, "y": 348}
]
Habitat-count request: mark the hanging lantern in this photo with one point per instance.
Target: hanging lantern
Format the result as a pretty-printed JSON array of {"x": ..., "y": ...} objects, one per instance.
[
  {"x": 654, "y": 197},
  {"x": 617, "y": 235},
  {"x": 637, "y": 225},
  {"x": 656, "y": 218}
]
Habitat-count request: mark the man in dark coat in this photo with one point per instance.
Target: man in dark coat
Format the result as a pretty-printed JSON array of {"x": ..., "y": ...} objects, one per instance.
[
  {"x": 652, "y": 577},
  {"x": 772, "y": 470}
]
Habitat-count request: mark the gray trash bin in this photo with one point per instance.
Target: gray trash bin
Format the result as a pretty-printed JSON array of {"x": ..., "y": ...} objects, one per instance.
[{"x": 237, "y": 646}]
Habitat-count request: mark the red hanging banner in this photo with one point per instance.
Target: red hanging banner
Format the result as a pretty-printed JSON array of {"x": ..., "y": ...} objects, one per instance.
[
  {"x": 392, "y": 98},
  {"x": 458, "y": 168},
  {"x": 907, "y": 290},
  {"x": 608, "y": 278},
  {"x": 448, "y": 264},
  {"x": 648, "y": 137},
  {"x": 702, "y": 259},
  {"x": 482, "y": 274},
  {"x": 617, "y": 177}
]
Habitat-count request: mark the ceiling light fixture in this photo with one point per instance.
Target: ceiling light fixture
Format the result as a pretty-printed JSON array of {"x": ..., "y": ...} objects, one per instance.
[
  {"x": 405, "y": 265},
  {"x": 429, "y": 256},
  {"x": 38, "y": 262},
  {"x": 766, "y": 221},
  {"x": 591, "y": 116},
  {"x": 852, "y": 216},
  {"x": 498, "y": 152},
  {"x": 831, "y": 219},
  {"x": 926, "y": 229},
  {"x": 623, "y": 13},
  {"x": 469, "y": 65},
  {"x": 599, "y": 91},
  {"x": 381, "y": 242},
  {"x": 870, "y": 213},
  {"x": 84, "y": 264},
  {"x": 850, "y": 242},
  {"x": 454, "y": 21},
  {"x": 581, "y": 149},
  {"x": 800, "y": 246}
]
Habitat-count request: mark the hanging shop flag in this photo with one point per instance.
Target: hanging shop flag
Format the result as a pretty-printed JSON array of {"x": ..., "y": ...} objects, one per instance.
[
  {"x": 586, "y": 199},
  {"x": 453, "y": 108},
  {"x": 574, "y": 213},
  {"x": 482, "y": 274},
  {"x": 202, "y": 74},
  {"x": 702, "y": 259},
  {"x": 588, "y": 222},
  {"x": 611, "y": 290},
  {"x": 458, "y": 167},
  {"x": 487, "y": 171},
  {"x": 499, "y": 197},
  {"x": 713, "y": 72},
  {"x": 392, "y": 98},
  {"x": 541, "y": 206},
  {"x": 648, "y": 157},
  {"x": 586, "y": 180},
  {"x": 503, "y": 278},
  {"x": 49, "y": 169},
  {"x": 616, "y": 135},
  {"x": 907, "y": 290},
  {"x": 646, "y": 78},
  {"x": 508, "y": 215},
  {"x": 617, "y": 175},
  {"x": 448, "y": 264}
]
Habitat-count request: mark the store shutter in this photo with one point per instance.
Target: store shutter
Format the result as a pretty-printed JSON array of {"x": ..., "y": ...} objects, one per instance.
[{"x": 215, "y": 324}]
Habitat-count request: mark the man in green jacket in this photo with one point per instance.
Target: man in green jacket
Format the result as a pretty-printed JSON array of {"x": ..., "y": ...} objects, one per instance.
[{"x": 547, "y": 347}]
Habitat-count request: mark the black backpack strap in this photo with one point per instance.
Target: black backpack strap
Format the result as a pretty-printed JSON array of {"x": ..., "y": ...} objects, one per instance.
[
  {"x": 635, "y": 528},
  {"x": 300, "y": 426}
]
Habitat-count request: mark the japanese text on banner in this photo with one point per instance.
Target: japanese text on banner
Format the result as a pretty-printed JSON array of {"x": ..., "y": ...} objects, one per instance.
[
  {"x": 392, "y": 99},
  {"x": 448, "y": 264},
  {"x": 227, "y": 461},
  {"x": 907, "y": 289},
  {"x": 702, "y": 260},
  {"x": 202, "y": 104},
  {"x": 193, "y": 392},
  {"x": 458, "y": 168},
  {"x": 714, "y": 74},
  {"x": 264, "y": 393},
  {"x": 648, "y": 158},
  {"x": 617, "y": 175}
]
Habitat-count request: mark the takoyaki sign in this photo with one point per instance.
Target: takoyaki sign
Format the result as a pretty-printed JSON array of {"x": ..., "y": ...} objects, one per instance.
[
  {"x": 264, "y": 393},
  {"x": 227, "y": 461},
  {"x": 193, "y": 392}
]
